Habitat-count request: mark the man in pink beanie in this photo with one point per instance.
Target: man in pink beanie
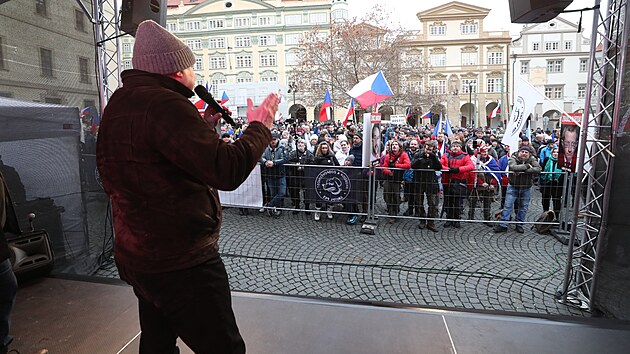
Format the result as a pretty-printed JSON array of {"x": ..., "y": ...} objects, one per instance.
[{"x": 161, "y": 163}]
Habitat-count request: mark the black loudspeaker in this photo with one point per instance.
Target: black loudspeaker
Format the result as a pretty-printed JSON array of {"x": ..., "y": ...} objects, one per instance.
[
  {"x": 136, "y": 11},
  {"x": 536, "y": 11},
  {"x": 31, "y": 254}
]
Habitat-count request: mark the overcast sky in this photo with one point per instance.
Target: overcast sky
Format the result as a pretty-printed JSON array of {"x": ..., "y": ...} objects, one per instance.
[{"x": 499, "y": 18}]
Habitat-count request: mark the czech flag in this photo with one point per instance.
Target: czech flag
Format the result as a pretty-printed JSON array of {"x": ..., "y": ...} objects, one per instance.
[
  {"x": 85, "y": 111},
  {"x": 427, "y": 115},
  {"x": 495, "y": 111},
  {"x": 224, "y": 98},
  {"x": 350, "y": 112},
  {"x": 324, "y": 112},
  {"x": 371, "y": 90}
]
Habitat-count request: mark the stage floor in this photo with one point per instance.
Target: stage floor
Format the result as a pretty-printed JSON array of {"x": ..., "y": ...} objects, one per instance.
[{"x": 72, "y": 316}]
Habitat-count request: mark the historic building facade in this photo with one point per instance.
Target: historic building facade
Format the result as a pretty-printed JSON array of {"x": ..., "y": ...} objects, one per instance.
[
  {"x": 554, "y": 58},
  {"x": 246, "y": 47},
  {"x": 468, "y": 67},
  {"x": 47, "y": 53}
]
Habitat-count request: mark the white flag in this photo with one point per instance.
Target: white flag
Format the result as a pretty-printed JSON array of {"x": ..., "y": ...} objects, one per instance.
[{"x": 526, "y": 98}]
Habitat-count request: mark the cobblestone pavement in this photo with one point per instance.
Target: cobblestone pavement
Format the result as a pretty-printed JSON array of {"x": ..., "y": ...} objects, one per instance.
[{"x": 470, "y": 268}]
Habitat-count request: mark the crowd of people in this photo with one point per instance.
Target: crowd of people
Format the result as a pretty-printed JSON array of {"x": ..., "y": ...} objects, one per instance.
[{"x": 414, "y": 164}]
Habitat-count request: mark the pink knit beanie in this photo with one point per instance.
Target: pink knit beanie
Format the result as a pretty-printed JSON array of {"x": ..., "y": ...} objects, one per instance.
[{"x": 158, "y": 51}]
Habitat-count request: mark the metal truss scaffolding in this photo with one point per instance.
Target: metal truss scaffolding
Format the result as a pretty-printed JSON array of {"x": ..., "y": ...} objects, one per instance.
[
  {"x": 107, "y": 16},
  {"x": 596, "y": 152}
]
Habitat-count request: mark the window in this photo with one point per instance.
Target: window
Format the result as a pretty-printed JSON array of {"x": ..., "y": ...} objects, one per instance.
[
  {"x": 581, "y": 91},
  {"x": 293, "y": 19},
  {"x": 171, "y": 27},
  {"x": 549, "y": 46},
  {"x": 84, "y": 71},
  {"x": 292, "y": 39},
  {"x": 244, "y": 77},
  {"x": 79, "y": 20},
  {"x": 45, "y": 57},
  {"x": 554, "y": 66},
  {"x": 266, "y": 21},
  {"x": 217, "y": 42},
  {"x": 193, "y": 26},
  {"x": 438, "y": 59},
  {"x": 436, "y": 30},
  {"x": 318, "y": 18},
  {"x": 291, "y": 59},
  {"x": 525, "y": 67},
  {"x": 244, "y": 61},
  {"x": 535, "y": 47},
  {"x": 198, "y": 64},
  {"x": 242, "y": 22},
  {"x": 2, "y": 66},
  {"x": 554, "y": 92},
  {"x": 269, "y": 77},
  {"x": 339, "y": 14},
  {"x": 495, "y": 58},
  {"x": 494, "y": 85},
  {"x": 568, "y": 45},
  {"x": 126, "y": 47},
  {"x": 437, "y": 87},
  {"x": 240, "y": 42},
  {"x": 194, "y": 44},
  {"x": 217, "y": 63},
  {"x": 215, "y": 85},
  {"x": 199, "y": 82},
  {"x": 469, "y": 58},
  {"x": 268, "y": 60},
  {"x": 40, "y": 7},
  {"x": 583, "y": 65},
  {"x": 215, "y": 24},
  {"x": 469, "y": 85},
  {"x": 469, "y": 28},
  {"x": 126, "y": 64},
  {"x": 267, "y": 40}
]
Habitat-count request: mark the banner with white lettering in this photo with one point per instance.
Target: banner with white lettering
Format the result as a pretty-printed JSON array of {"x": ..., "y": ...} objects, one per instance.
[
  {"x": 332, "y": 185},
  {"x": 526, "y": 99}
]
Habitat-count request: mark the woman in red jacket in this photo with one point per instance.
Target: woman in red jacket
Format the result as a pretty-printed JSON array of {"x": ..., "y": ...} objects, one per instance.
[
  {"x": 395, "y": 158},
  {"x": 458, "y": 165}
]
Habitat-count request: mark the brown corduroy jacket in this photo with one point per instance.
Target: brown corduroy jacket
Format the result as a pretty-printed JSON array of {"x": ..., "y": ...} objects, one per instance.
[{"x": 161, "y": 165}]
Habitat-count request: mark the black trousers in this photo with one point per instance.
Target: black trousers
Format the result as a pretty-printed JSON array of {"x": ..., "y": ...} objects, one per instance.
[
  {"x": 551, "y": 191},
  {"x": 193, "y": 304}
]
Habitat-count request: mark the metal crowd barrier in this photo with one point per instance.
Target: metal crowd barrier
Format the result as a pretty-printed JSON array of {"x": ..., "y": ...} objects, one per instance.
[{"x": 359, "y": 191}]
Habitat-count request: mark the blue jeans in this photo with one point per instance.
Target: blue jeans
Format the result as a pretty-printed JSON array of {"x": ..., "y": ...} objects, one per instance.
[
  {"x": 520, "y": 195},
  {"x": 277, "y": 190},
  {"x": 8, "y": 289}
]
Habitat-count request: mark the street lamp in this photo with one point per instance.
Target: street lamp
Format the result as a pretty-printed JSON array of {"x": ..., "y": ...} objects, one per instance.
[
  {"x": 292, "y": 89},
  {"x": 470, "y": 115}
]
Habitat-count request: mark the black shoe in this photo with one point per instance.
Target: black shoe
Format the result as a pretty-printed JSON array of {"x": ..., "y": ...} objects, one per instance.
[
  {"x": 432, "y": 227},
  {"x": 421, "y": 225},
  {"x": 457, "y": 225},
  {"x": 295, "y": 212},
  {"x": 448, "y": 224},
  {"x": 499, "y": 228},
  {"x": 362, "y": 218},
  {"x": 409, "y": 212},
  {"x": 520, "y": 229}
]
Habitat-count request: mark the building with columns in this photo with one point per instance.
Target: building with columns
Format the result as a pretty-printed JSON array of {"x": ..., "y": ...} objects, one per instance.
[
  {"x": 554, "y": 58},
  {"x": 468, "y": 66},
  {"x": 247, "y": 47}
]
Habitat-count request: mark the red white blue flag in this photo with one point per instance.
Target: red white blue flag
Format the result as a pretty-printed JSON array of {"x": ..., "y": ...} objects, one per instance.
[
  {"x": 496, "y": 110},
  {"x": 350, "y": 112},
  {"x": 224, "y": 98},
  {"x": 324, "y": 112},
  {"x": 200, "y": 104},
  {"x": 371, "y": 90}
]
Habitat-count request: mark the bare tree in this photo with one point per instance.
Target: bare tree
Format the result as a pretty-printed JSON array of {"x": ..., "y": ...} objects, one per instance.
[{"x": 354, "y": 50}]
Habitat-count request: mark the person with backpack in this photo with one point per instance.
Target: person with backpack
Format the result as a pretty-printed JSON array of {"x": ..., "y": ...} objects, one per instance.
[{"x": 551, "y": 183}]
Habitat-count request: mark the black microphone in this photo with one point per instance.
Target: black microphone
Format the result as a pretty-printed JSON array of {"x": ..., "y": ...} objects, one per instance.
[{"x": 206, "y": 96}]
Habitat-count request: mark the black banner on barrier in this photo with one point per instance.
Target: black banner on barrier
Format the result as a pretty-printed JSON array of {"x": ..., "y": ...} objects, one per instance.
[{"x": 331, "y": 184}]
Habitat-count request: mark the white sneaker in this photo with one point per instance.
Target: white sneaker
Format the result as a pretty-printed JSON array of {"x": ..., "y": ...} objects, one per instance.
[
  {"x": 261, "y": 210},
  {"x": 317, "y": 216},
  {"x": 329, "y": 215}
]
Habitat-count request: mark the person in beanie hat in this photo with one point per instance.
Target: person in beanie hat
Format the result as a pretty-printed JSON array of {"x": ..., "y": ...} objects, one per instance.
[
  {"x": 524, "y": 167},
  {"x": 161, "y": 163}
]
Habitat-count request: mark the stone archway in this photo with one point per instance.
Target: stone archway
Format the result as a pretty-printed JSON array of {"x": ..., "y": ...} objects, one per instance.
[
  {"x": 436, "y": 110},
  {"x": 496, "y": 121},
  {"x": 551, "y": 119},
  {"x": 297, "y": 112},
  {"x": 467, "y": 112},
  {"x": 386, "y": 112}
]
